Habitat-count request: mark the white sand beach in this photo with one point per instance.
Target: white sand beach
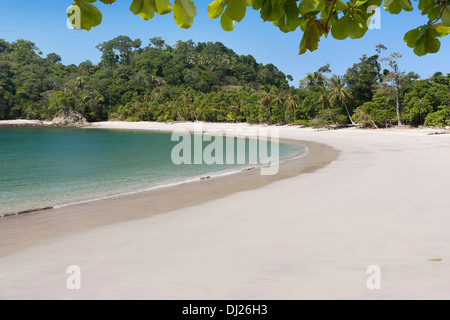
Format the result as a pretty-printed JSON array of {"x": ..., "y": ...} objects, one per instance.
[{"x": 383, "y": 201}]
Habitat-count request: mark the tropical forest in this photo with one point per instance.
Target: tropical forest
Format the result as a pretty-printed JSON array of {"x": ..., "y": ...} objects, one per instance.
[{"x": 191, "y": 81}]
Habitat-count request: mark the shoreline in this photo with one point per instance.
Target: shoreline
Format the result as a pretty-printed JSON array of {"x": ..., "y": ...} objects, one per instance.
[
  {"x": 20, "y": 123},
  {"x": 310, "y": 236},
  {"x": 131, "y": 191},
  {"x": 206, "y": 189},
  {"x": 165, "y": 126}
]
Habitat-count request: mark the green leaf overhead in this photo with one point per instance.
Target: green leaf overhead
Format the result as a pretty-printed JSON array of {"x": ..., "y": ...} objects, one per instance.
[
  {"x": 235, "y": 9},
  {"x": 163, "y": 6},
  {"x": 311, "y": 36},
  {"x": 396, "y": 6},
  {"x": 425, "y": 40},
  {"x": 227, "y": 23},
  {"x": 215, "y": 9},
  {"x": 83, "y": 15},
  {"x": 446, "y": 16},
  {"x": 339, "y": 30},
  {"x": 145, "y": 8},
  {"x": 357, "y": 26},
  {"x": 345, "y": 20},
  {"x": 184, "y": 12},
  {"x": 289, "y": 21}
]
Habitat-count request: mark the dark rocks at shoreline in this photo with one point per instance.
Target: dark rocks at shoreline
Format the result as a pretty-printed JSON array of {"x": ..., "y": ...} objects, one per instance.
[
  {"x": 69, "y": 117},
  {"x": 63, "y": 119}
]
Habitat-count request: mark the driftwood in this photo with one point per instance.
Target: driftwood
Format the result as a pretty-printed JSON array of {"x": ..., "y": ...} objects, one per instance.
[
  {"x": 339, "y": 126},
  {"x": 437, "y": 132}
]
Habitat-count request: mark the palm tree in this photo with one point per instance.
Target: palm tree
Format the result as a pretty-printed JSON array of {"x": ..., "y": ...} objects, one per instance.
[
  {"x": 137, "y": 107},
  {"x": 278, "y": 99},
  {"x": 338, "y": 92},
  {"x": 314, "y": 81},
  {"x": 146, "y": 104},
  {"x": 291, "y": 101},
  {"x": 265, "y": 101},
  {"x": 324, "y": 98}
]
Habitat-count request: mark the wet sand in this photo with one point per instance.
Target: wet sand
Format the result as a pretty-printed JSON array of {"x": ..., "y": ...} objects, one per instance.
[{"x": 26, "y": 230}]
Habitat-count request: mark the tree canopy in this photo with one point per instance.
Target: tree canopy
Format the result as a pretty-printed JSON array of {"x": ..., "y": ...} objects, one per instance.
[
  {"x": 316, "y": 18},
  {"x": 207, "y": 81}
]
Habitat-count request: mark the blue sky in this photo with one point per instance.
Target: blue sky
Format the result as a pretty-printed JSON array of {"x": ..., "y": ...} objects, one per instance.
[{"x": 44, "y": 22}]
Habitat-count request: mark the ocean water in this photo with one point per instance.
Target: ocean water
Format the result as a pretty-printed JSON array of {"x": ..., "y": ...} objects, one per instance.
[{"x": 42, "y": 167}]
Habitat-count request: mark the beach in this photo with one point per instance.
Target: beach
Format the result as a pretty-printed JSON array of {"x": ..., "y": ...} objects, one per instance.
[{"x": 360, "y": 198}]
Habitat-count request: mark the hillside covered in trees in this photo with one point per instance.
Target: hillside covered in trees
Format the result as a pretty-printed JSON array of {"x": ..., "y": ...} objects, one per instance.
[{"x": 210, "y": 82}]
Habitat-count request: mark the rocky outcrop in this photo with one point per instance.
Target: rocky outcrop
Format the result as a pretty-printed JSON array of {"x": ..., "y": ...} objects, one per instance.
[{"x": 69, "y": 118}]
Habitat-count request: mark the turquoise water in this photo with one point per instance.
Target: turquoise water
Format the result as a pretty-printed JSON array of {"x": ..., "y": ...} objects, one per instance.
[{"x": 42, "y": 167}]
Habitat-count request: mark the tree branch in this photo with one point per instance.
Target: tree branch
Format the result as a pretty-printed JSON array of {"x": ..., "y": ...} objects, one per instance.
[{"x": 440, "y": 15}]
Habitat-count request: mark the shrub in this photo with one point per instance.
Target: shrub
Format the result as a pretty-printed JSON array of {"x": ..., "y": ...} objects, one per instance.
[
  {"x": 439, "y": 118},
  {"x": 417, "y": 110},
  {"x": 306, "y": 123},
  {"x": 363, "y": 118},
  {"x": 374, "y": 112}
]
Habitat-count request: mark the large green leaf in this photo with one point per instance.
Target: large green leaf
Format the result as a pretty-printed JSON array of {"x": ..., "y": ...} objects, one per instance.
[
  {"x": 357, "y": 26},
  {"x": 432, "y": 44},
  {"x": 406, "y": 5},
  {"x": 272, "y": 10},
  {"x": 424, "y": 39},
  {"x": 145, "y": 8},
  {"x": 184, "y": 12},
  {"x": 83, "y": 15},
  {"x": 236, "y": 9},
  {"x": 434, "y": 13},
  {"x": 311, "y": 36},
  {"x": 216, "y": 8},
  {"x": 257, "y": 4},
  {"x": 339, "y": 29},
  {"x": 396, "y": 6},
  {"x": 425, "y": 5},
  {"x": 227, "y": 23},
  {"x": 439, "y": 30},
  {"x": 289, "y": 21},
  {"x": 421, "y": 31},
  {"x": 341, "y": 5},
  {"x": 163, "y": 6},
  {"x": 306, "y": 6},
  {"x": 411, "y": 37},
  {"x": 446, "y": 16}
]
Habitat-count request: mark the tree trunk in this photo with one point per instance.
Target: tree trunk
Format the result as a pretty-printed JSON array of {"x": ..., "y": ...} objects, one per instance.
[
  {"x": 348, "y": 113},
  {"x": 329, "y": 113},
  {"x": 397, "y": 102}
]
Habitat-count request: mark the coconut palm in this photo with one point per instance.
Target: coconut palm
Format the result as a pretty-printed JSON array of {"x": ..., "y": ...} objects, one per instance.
[
  {"x": 278, "y": 99},
  {"x": 265, "y": 101},
  {"x": 339, "y": 93},
  {"x": 314, "y": 81},
  {"x": 324, "y": 98},
  {"x": 291, "y": 101}
]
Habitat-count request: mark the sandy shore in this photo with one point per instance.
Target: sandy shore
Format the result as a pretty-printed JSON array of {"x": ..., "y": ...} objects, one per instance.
[{"x": 381, "y": 202}]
